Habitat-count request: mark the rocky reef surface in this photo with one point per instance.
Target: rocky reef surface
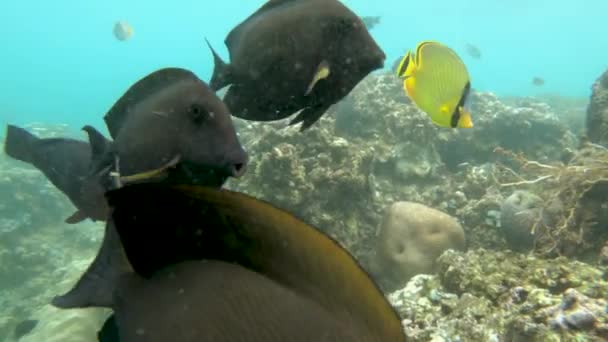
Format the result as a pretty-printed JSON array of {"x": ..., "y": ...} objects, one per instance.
[
  {"x": 484, "y": 295},
  {"x": 597, "y": 112},
  {"x": 374, "y": 149},
  {"x": 40, "y": 255}
]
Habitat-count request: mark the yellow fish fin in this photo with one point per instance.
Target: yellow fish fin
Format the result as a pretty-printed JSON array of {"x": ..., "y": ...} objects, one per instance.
[
  {"x": 409, "y": 84},
  {"x": 321, "y": 73},
  {"x": 465, "y": 120},
  {"x": 445, "y": 109},
  {"x": 419, "y": 49}
]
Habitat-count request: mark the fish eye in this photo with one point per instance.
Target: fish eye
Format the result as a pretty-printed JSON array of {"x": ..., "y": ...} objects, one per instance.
[{"x": 198, "y": 114}]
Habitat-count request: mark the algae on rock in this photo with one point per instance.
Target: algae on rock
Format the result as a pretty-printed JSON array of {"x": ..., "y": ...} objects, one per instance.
[
  {"x": 486, "y": 295},
  {"x": 597, "y": 111}
]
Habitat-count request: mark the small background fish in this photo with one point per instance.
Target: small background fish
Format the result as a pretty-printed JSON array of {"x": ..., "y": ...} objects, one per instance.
[
  {"x": 538, "y": 81},
  {"x": 371, "y": 21},
  {"x": 473, "y": 51}
]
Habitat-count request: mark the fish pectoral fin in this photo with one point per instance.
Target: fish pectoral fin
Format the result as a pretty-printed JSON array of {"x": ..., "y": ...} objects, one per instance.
[
  {"x": 444, "y": 109},
  {"x": 76, "y": 217},
  {"x": 321, "y": 73},
  {"x": 309, "y": 116}
]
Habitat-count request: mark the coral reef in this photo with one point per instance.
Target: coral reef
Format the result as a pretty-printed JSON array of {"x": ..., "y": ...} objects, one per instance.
[
  {"x": 371, "y": 150},
  {"x": 375, "y": 148},
  {"x": 411, "y": 238},
  {"x": 520, "y": 212},
  {"x": 482, "y": 295},
  {"x": 597, "y": 111},
  {"x": 580, "y": 186}
]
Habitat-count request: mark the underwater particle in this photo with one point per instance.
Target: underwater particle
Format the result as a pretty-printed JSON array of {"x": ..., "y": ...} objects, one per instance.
[
  {"x": 412, "y": 236},
  {"x": 24, "y": 328},
  {"x": 123, "y": 30},
  {"x": 438, "y": 82},
  {"x": 472, "y": 50},
  {"x": 294, "y": 55},
  {"x": 538, "y": 81},
  {"x": 370, "y": 21}
]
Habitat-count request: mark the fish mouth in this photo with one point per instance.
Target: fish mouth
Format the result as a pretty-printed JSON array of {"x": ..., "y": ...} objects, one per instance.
[{"x": 235, "y": 163}]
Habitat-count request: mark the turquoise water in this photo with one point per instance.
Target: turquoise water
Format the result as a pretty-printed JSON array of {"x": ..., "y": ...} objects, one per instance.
[{"x": 61, "y": 63}]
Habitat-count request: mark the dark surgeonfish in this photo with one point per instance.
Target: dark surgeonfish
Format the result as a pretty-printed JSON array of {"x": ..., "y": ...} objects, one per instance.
[
  {"x": 215, "y": 265},
  {"x": 170, "y": 119},
  {"x": 293, "y": 55},
  {"x": 65, "y": 163}
]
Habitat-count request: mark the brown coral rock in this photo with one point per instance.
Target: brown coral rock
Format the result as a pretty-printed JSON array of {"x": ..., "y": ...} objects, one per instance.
[
  {"x": 412, "y": 237},
  {"x": 597, "y": 111}
]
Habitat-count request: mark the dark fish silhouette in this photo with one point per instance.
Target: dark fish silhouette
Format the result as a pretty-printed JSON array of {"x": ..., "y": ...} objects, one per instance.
[
  {"x": 538, "y": 81},
  {"x": 293, "y": 55},
  {"x": 214, "y": 265},
  {"x": 65, "y": 163},
  {"x": 473, "y": 51},
  {"x": 171, "y": 118},
  {"x": 24, "y": 328},
  {"x": 109, "y": 331}
]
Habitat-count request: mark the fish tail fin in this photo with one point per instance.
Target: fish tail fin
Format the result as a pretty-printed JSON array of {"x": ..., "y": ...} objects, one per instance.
[
  {"x": 97, "y": 285},
  {"x": 222, "y": 74},
  {"x": 20, "y": 144}
]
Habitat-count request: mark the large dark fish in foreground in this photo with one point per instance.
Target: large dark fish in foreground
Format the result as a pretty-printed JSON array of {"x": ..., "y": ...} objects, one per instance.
[
  {"x": 65, "y": 163},
  {"x": 215, "y": 265},
  {"x": 293, "y": 55},
  {"x": 170, "y": 118}
]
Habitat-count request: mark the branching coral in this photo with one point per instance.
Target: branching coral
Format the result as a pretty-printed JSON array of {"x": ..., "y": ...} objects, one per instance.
[{"x": 564, "y": 187}]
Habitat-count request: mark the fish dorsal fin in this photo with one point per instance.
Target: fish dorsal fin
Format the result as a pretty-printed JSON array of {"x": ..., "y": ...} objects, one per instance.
[
  {"x": 140, "y": 91},
  {"x": 235, "y": 33},
  {"x": 160, "y": 225}
]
